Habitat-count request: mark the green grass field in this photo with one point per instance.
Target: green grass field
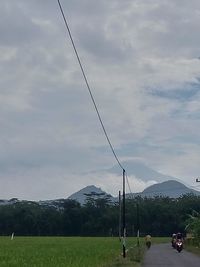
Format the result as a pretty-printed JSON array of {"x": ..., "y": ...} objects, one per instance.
[
  {"x": 58, "y": 251},
  {"x": 63, "y": 252}
]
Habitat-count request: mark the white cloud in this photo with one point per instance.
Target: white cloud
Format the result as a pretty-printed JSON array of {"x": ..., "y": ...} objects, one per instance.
[{"x": 141, "y": 60}]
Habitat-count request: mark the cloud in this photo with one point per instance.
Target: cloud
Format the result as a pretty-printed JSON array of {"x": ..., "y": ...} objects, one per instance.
[
  {"x": 16, "y": 27},
  {"x": 136, "y": 185},
  {"x": 141, "y": 61}
]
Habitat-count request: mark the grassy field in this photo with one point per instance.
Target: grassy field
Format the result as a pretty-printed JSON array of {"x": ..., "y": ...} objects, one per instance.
[
  {"x": 58, "y": 251},
  {"x": 66, "y": 252}
]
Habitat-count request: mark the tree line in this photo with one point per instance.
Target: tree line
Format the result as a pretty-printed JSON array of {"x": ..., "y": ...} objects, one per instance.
[{"x": 158, "y": 216}]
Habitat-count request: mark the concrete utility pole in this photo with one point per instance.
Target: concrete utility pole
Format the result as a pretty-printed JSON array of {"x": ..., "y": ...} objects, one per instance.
[
  {"x": 123, "y": 217},
  {"x": 138, "y": 225},
  {"x": 120, "y": 217}
]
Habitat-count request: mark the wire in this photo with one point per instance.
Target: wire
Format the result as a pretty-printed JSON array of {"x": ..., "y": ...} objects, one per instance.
[
  {"x": 87, "y": 84},
  {"x": 132, "y": 195}
]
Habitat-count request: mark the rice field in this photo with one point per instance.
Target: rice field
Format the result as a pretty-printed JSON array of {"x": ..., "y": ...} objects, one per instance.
[
  {"x": 58, "y": 251},
  {"x": 66, "y": 251}
]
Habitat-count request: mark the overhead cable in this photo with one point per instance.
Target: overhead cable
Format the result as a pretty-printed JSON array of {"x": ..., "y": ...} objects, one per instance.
[
  {"x": 132, "y": 195},
  {"x": 87, "y": 84}
]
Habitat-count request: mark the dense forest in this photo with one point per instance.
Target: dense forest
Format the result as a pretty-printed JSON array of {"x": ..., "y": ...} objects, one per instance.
[{"x": 158, "y": 216}]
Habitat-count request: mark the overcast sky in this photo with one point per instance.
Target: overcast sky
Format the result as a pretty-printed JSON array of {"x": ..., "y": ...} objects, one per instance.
[{"x": 141, "y": 58}]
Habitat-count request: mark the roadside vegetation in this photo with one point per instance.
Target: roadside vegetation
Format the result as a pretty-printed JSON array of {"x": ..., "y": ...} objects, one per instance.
[{"x": 193, "y": 229}]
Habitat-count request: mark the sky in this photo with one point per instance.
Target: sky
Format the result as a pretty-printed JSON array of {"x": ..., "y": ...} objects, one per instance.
[{"x": 142, "y": 62}]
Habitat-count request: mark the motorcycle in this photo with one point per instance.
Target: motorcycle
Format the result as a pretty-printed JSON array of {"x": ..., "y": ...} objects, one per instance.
[{"x": 179, "y": 245}]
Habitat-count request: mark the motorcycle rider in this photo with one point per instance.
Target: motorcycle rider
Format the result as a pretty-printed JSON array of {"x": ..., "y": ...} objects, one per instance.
[
  {"x": 173, "y": 240},
  {"x": 179, "y": 241},
  {"x": 148, "y": 241},
  {"x": 179, "y": 237}
]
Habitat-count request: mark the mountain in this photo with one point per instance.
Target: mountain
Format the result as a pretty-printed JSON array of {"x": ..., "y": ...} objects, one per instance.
[
  {"x": 141, "y": 171},
  {"x": 80, "y": 196},
  {"x": 170, "y": 188}
]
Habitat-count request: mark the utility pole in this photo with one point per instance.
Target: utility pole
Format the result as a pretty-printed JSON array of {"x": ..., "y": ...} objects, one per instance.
[
  {"x": 120, "y": 216},
  {"x": 138, "y": 225},
  {"x": 123, "y": 217}
]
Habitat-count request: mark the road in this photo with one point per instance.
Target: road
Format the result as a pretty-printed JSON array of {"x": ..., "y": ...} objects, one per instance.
[{"x": 163, "y": 255}]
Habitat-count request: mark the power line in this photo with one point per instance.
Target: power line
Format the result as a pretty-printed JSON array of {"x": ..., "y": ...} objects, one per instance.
[
  {"x": 129, "y": 186},
  {"x": 87, "y": 84}
]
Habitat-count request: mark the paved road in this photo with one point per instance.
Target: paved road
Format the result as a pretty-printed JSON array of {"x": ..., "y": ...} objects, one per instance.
[{"x": 164, "y": 255}]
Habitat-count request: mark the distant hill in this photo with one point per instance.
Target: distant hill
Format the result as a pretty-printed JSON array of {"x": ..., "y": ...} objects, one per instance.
[
  {"x": 171, "y": 188},
  {"x": 80, "y": 196}
]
